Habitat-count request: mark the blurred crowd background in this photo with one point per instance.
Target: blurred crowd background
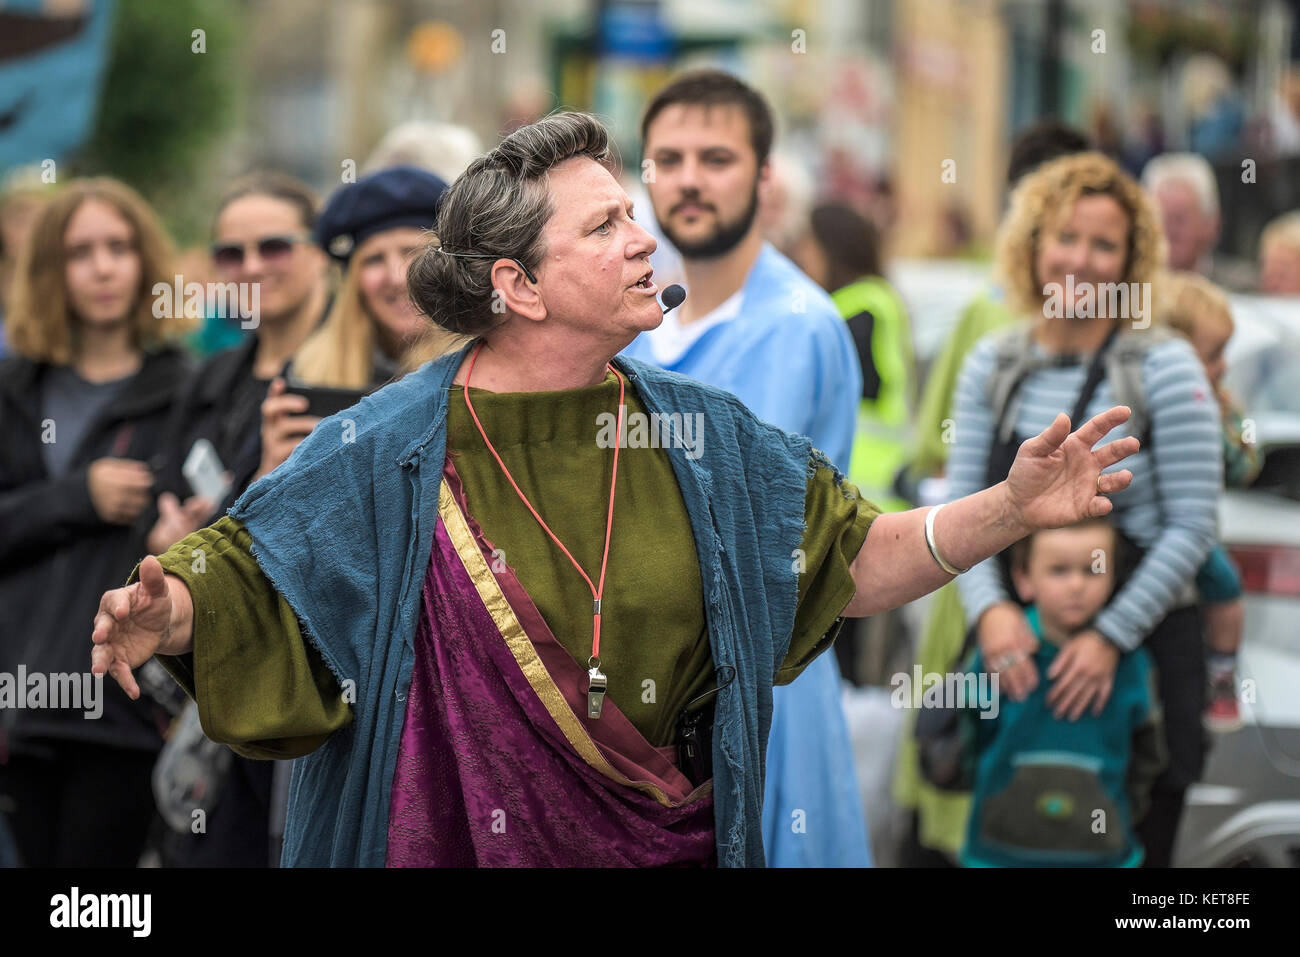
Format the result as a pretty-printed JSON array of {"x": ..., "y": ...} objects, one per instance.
[
  {"x": 904, "y": 111},
  {"x": 877, "y": 95}
]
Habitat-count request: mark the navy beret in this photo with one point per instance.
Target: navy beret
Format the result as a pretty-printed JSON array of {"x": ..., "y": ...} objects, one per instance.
[{"x": 385, "y": 199}]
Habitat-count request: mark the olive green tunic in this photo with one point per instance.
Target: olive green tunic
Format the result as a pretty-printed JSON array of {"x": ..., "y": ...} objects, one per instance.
[{"x": 259, "y": 684}]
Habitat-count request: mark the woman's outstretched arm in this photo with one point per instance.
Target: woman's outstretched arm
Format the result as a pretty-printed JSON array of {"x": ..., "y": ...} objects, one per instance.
[{"x": 1053, "y": 482}]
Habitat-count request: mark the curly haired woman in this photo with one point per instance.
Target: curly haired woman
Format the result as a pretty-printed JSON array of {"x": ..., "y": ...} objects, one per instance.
[{"x": 1078, "y": 252}]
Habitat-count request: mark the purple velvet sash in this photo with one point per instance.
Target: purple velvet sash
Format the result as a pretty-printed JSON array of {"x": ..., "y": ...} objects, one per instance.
[{"x": 498, "y": 764}]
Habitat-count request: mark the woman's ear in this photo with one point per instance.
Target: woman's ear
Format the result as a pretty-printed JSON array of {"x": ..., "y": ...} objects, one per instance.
[{"x": 515, "y": 292}]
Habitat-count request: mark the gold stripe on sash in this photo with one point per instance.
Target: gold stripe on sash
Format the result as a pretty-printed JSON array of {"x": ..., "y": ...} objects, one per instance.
[{"x": 494, "y": 599}]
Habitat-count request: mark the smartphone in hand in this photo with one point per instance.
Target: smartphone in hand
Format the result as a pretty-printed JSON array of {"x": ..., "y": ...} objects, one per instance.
[
  {"x": 205, "y": 473},
  {"x": 323, "y": 402}
]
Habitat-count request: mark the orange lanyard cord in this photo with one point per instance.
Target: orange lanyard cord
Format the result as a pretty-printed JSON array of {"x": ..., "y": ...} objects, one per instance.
[{"x": 596, "y": 591}]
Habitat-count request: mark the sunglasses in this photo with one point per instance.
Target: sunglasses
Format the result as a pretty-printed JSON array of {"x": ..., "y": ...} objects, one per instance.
[{"x": 270, "y": 249}]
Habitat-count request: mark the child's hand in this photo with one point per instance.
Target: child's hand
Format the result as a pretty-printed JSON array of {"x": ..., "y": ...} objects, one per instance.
[{"x": 1084, "y": 673}]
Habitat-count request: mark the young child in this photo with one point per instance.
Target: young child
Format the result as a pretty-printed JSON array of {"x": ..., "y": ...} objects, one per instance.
[
  {"x": 1051, "y": 792},
  {"x": 1196, "y": 308}
]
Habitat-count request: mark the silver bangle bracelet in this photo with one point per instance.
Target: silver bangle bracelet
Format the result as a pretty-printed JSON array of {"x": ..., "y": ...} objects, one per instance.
[{"x": 939, "y": 560}]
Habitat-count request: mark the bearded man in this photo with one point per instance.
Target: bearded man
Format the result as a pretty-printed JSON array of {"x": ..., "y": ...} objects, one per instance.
[{"x": 758, "y": 327}]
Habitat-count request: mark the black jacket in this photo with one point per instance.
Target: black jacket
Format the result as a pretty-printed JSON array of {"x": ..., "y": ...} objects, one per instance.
[
  {"x": 57, "y": 556},
  {"x": 223, "y": 404}
]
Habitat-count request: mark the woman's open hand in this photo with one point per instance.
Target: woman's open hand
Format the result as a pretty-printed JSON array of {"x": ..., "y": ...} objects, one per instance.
[
  {"x": 133, "y": 624},
  {"x": 1008, "y": 644},
  {"x": 1057, "y": 479},
  {"x": 1082, "y": 675}
]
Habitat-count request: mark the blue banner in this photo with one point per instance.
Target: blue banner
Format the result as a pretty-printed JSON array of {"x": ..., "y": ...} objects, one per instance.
[{"x": 51, "y": 71}]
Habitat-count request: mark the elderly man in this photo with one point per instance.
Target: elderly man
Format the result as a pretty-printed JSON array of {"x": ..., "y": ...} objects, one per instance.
[
  {"x": 1279, "y": 256},
  {"x": 487, "y": 652},
  {"x": 1187, "y": 194}
]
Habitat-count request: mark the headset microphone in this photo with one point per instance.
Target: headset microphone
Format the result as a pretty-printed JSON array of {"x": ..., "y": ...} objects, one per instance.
[{"x": 673, "y": 297}]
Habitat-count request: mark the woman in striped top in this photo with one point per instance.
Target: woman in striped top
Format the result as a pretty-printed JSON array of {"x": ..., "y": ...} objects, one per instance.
[{"x": 1078, "y": 228}]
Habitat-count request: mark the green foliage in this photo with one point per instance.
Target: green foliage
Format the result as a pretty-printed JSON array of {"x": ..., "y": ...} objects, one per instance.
[
  {"x": 1158, "y": 33},
  {"x": 164, "y": 107}
]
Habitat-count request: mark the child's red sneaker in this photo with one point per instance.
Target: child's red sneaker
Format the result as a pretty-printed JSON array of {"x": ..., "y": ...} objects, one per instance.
[{"x": 1222, "y": 713}]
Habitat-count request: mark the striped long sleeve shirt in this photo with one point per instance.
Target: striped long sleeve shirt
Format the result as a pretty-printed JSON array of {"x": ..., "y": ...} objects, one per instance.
[{"x": 1169, "y": 509}]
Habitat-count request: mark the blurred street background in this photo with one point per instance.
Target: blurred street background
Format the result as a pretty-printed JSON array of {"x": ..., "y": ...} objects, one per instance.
[
  {"x": 871, "y": 95},
  {"x": 903, "y": 110}
]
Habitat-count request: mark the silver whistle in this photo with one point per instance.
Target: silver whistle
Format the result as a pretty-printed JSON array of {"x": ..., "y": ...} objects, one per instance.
[{"x": 596, "y": 685}]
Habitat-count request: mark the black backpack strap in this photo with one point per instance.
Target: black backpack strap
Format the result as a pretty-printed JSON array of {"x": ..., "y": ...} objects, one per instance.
[{"x": 1096, "y": 372}]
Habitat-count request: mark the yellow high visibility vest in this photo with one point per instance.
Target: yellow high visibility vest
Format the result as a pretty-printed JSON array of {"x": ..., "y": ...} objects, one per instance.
[{"x": 883, "y": 437}]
